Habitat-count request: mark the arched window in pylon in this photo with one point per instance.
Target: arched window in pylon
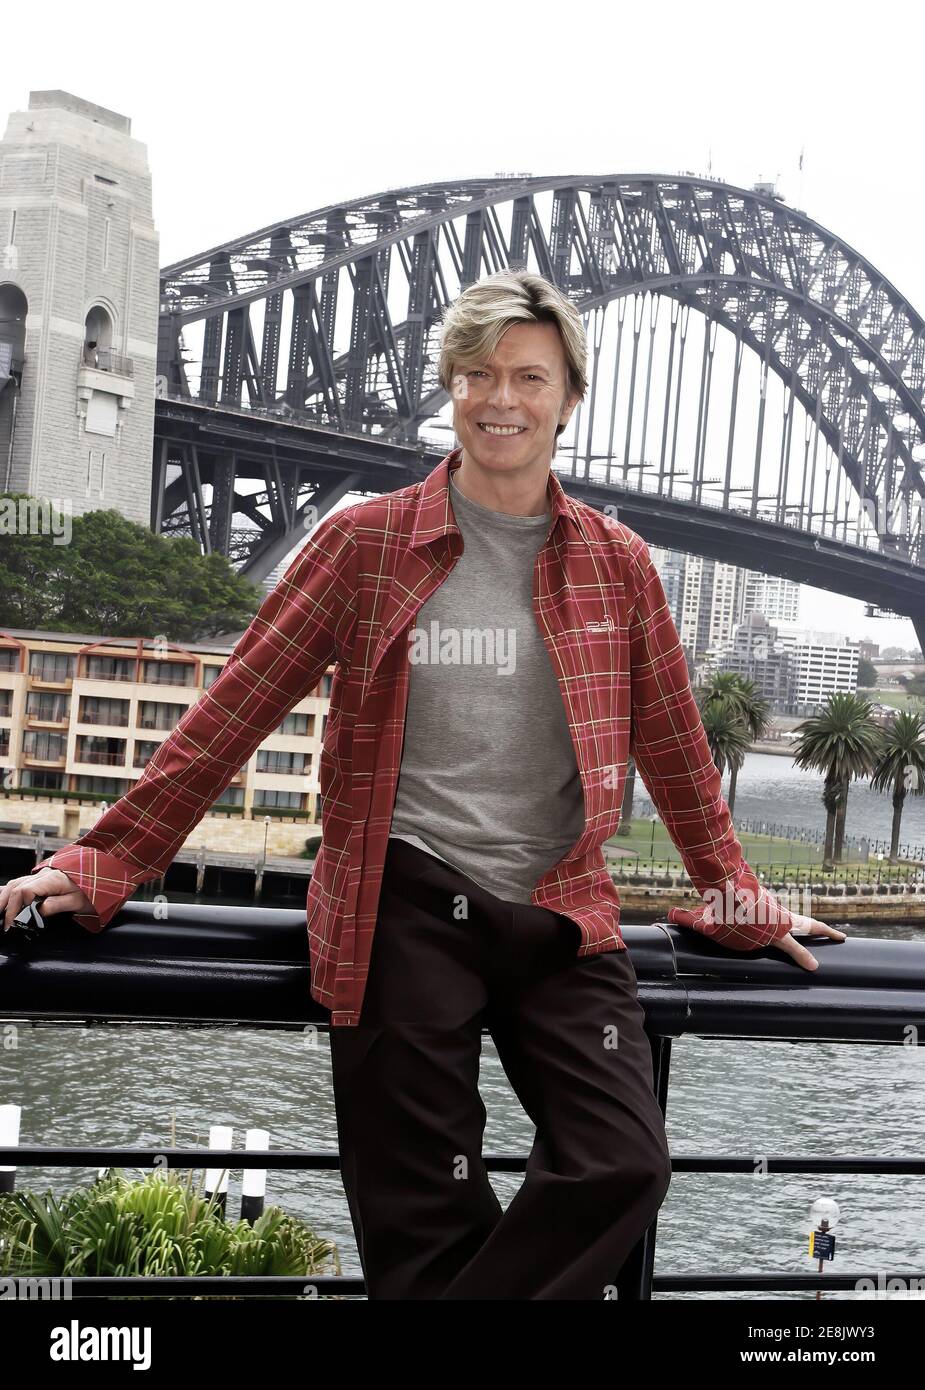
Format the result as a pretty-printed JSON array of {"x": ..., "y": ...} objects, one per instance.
[{"x": 97, "y": 350}]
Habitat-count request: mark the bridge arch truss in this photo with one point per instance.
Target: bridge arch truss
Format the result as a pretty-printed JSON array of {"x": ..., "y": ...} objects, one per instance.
[{"x": 804, "y": 395}]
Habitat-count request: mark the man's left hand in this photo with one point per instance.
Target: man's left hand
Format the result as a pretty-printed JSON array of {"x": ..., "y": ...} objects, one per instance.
[{"x": 805, "y": 926}]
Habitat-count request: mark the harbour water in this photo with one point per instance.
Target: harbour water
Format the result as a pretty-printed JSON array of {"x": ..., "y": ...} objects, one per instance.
[{"x": 771, "y": 788}]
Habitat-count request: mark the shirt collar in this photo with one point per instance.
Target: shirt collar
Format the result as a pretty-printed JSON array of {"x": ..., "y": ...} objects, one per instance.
[{"x": 435, "y": 510}]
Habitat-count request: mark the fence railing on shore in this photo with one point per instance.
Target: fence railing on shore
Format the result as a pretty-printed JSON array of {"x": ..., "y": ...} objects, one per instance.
[
  {"x": 778, "y": 830},
  {"x": 210, "y": 966},
  {"x": 865, "y": 879}
]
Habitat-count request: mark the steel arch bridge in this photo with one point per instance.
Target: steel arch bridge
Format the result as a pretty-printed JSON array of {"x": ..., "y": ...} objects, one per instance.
[{"x": 782, "y": 425}]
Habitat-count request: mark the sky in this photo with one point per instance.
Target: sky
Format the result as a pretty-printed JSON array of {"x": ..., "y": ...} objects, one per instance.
[{"x": 253, "y": 115}]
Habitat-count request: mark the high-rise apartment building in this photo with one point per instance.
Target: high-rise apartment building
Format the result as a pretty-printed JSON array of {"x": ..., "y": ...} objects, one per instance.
[
  {"x": 778, "y": 599},
  {"x": 821, "y": 663},
  {"x": 756, "y": 654},
  {"x": 708, "y": 599}
]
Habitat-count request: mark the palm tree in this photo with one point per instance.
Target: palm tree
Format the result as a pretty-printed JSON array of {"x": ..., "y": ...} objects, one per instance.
[
  {"x": 745, "y": 706},
  {"x": 901, "y": 765},
  {"x": 843, "y": 740},
  {"x": 728, "y": 738}
]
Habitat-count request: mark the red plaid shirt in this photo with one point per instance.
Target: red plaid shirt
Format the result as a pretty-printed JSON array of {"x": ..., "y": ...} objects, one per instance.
[{"x": 349, "y": 598}]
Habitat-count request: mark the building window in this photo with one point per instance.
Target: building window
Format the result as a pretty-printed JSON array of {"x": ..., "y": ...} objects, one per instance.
[
  {"x": 4, "y": 742},
  {"x": 110, "y": 668},
  {"x": 231, "y": 796},
  {"x": 6, "y": 703},
  {"x": 167, "y": 673},
  {"x": 45, "y": 781},
  {"x": 49, "y": 705},
  {"x": 93, "y": 748},
  {"x": 52, "y": 666},
  {"x": 210, "y": 674},
  {"x": 296, "y": 724},
  {"x": 107, "y": 786},
  {"x": 99, "y": 709},
  {"x": 263, "y": 797},
  {"x": 152, "y": 714},
  {"x": 9, "y": 658},
  {"x": 102, "y": 414},
  {"x": 97, "y": 336},
  {"x": 275, "y": 760},
  {"x": 48, "y": 748},
  {"x": 144, "y": 752}
]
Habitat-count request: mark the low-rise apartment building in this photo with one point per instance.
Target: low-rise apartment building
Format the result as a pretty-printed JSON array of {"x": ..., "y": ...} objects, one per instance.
[{"x": 83, "y": 714}]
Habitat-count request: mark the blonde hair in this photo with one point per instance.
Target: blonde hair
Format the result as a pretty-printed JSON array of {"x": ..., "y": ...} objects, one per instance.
[{"x": 473, "y": 324}]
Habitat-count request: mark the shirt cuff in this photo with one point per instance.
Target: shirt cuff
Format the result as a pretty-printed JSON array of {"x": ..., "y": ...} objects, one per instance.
[
  {"x": 105, "y": 880},
  {"x": 741, "y": 914}
]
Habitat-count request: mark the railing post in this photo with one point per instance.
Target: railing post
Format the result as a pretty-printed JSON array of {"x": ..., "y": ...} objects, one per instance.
[
  {"x": 634, "y": 1281},
  {"x": 254, "y": 1180},
  {"x": 9, "y": 1137}
]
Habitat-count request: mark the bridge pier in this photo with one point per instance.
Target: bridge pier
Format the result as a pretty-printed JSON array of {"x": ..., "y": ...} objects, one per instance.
[{"x": 919, "y": 624}]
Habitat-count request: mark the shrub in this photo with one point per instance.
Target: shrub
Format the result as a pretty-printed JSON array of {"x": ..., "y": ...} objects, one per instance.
[{"x": 155, "y": 1226}]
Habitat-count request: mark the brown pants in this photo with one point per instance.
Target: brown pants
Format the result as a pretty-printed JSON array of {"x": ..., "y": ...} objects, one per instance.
[{"x": 449, "y": 958}]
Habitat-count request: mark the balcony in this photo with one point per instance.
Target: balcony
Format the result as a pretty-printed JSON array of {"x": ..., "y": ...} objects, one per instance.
[
  {"x": 116, "y": 675},
  {"x": 180, "y": 679},
  {"x": 104, "y": 359},
  {"x": 38, "y": 681},
  {"x": 107, "y": 759},
  {"x": 105, "y": 389}
]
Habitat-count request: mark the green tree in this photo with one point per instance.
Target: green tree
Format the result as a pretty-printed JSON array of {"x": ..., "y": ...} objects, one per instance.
[
  {"x": 734, "y": 715},
  {"x": 842, "y": 740},
  {"x": 867, "y": 674},
  {"x": 900, "y": 765},
  {"x": 913, "y": 685},
  {"x": 116, "y": 578}
]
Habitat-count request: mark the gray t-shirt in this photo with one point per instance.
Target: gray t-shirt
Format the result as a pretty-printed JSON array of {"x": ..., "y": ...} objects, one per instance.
[{"x": 489, "y": 779}]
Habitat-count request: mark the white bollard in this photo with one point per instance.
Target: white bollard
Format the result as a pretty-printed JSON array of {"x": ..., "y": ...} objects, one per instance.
[
  {"x": 220, "y": 1137},
  {"x": 254, "y": 1184},
  {"x": 10, "y": 1116}
]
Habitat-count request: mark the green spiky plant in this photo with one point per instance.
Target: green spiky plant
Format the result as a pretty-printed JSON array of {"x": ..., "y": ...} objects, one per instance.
[{"x": 156, "y": 1226}]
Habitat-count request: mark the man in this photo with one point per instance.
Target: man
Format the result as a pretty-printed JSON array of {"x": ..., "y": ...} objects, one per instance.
[{"x": 500, "y": 651}]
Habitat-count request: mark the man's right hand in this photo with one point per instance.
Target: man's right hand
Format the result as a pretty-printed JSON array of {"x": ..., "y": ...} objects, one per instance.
[{"x": 61, "y": 894}]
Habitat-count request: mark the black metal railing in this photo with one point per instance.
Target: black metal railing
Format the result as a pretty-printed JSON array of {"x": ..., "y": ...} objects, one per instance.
[
  {"x": 847, "y": 881},
  {"x": 795, "y": 835},
  {"x": 105, "y": 359},
  {"x": 211, "y": 966}
]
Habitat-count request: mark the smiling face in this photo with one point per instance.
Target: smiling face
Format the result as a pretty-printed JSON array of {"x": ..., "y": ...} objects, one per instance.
[{"x": 506, "y": 410}]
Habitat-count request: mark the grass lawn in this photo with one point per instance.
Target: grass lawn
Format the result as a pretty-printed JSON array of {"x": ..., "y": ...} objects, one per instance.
[
  {"x": 758, "y": 848},
  {"x": 895, "y": 698}
]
